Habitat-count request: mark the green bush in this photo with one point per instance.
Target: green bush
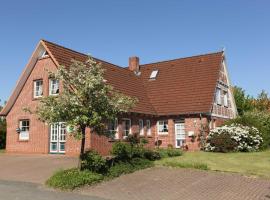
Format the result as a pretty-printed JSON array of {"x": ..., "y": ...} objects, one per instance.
[
  {"x": 174, "y": 152},
  {"x": 234, "y": 137},
  {"x": 259, "y": 120},
  {"x": 170, "y": 152},
  {"x": 72, "y": 178},
  {"x": 2, "y": 133},
  {"x": 126, "y": 151},
  {"x": 151, "y": 154},
  {"x": 122, "y": 151},
  {"x": 222, "y": 143},
  {"x": 94, "y": 162},
  {"x": 201, "y": 166},
  {"x": 128, "y": 167}
]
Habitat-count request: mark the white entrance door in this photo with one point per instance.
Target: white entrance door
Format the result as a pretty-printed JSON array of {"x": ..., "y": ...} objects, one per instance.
[
  {"x": 179, "y": 134},
  {"x": 58, "y": 138}
]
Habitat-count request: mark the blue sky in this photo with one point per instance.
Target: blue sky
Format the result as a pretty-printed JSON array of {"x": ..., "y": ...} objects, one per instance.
[{"x": 153, "y": 30}]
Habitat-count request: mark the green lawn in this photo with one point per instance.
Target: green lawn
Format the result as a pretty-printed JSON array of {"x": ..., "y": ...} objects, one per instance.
[
  {"x": 2, "y": 150},
  {"x": 251, "y": 164}
]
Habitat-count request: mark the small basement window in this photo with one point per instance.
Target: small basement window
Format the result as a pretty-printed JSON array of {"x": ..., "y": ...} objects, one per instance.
[{"x": 154, "y": 74}]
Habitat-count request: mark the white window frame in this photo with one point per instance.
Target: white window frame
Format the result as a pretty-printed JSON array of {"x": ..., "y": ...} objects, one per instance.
[
  {"x": 38, "y": 88},
  {"x": 225, "y": 98},
  {"x": 124, "y": 128},
  {"x": 218, "y": 96},
  {"x": 181, "y": 137},
  {"x": 24, "y": 130},
  {"x": 161, "y": 132},
  {"x": 53, "y": 91},
  {"x": 58, "y": 136},
  {"x": 154, "y": 74},
  {"x": 115, "y": 128},
  {"x": 148, "y": 127},
  {"x": 141, "y": 127}
]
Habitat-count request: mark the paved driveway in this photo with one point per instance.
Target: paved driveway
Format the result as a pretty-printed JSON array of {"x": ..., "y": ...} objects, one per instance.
[
  {"x": 174, "y": 184},
  {"x": 11, "y": 190},
  {"x": 32, "y": 168}
]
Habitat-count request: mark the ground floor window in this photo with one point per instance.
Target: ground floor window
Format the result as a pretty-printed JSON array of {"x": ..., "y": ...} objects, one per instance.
[
  {"x": 24, "y": 129},
  {"x": 113, "y": 128},
  {"x": 141, "y": 127},
  {"x": 163, "y": 126},
  {"x": 148, "y": 127},
  {"x": 126, "y": 127}
]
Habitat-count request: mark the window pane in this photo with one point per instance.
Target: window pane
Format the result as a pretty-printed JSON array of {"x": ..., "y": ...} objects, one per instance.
[{"x": 163, "y": 126}]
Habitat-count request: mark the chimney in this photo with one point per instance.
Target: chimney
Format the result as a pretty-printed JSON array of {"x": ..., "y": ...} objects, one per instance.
[{"x": 134, "y": 64}]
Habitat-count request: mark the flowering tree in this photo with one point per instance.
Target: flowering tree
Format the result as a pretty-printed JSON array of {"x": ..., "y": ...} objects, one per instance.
[
  {"x": 234, "y": 137},
  {"x": 85, "y": 101}
]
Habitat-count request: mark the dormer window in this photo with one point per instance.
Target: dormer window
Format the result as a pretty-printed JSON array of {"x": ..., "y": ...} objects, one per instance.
[
  {"x": 54, "y": 87},
  {"x": 154, "y": 74},
  {"x": 38, "y": 90}
]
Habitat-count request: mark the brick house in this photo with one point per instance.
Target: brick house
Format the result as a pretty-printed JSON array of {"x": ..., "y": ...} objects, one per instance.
[{"x": 175, "y": 99}]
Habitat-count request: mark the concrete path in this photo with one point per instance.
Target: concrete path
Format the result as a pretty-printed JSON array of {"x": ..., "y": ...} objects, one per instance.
[
  {"x": 173, "y": 184},
  {"x": 27, "y": 191},
  {"x": 32, "y": 168}
]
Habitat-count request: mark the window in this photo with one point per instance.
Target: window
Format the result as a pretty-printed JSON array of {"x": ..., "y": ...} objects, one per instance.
[
  {"x": 141, "y": 127},
  {"x": 54, "y": 87},
  {"x": 126, "y": 127},
  {"x": 45, "y": 54},
  {"x": 113, "y": 128},
  {"x": 163, "y": 126},
  {"x": 24, "y": 130},
  {"x": 148, "y": 127},
  {"x": 38, "y": 91},
  {"x": 218, "y": 96},
  {"x": 154, "y": 74},
  {"x": 225, "y": 99}
]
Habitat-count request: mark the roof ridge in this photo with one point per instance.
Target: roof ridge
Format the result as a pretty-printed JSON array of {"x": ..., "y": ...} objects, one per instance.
[
  {"x": 206, "y": 54},
  {"x": 80, "y": 53}
]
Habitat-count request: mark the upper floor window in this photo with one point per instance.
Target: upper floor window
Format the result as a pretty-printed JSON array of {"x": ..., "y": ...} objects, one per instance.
[
  {"x": 163, "y": 126},
  {"x": 54, "y": 87},
  {"x": 113, "y": 128},
  {"x": 141, "y": 127},
  {"x": 38, "y": 90},
  {"x": 225, "y": 99},
  {"x": 218, "y": 96},
  {"x": 148, "y": 127},
  {"x": 126, "y": 127},
  {"x": 24, "y": 130}
]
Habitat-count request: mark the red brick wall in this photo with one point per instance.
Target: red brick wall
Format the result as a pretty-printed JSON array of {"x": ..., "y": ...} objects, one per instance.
[
  {"x": 39, "y": 136},
  {"x": 39, "y": 132}
]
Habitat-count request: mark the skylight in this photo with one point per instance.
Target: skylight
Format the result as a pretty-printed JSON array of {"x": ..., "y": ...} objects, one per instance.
[{"x": 154, "y": 74}]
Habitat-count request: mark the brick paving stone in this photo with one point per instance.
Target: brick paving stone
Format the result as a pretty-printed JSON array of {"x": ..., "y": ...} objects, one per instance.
[{"x": 162, "y": 183}]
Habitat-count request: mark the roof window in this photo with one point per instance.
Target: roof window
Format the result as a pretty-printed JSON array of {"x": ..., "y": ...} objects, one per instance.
[{"x": 154, "y": 74}]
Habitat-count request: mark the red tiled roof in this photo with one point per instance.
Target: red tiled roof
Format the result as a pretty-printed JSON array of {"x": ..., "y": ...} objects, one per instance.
[
  {"x": 120, "y": 78},
  {"x": 182, "y": 86}
]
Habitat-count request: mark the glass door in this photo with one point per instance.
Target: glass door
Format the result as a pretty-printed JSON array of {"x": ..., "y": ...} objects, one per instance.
[
  {"x": 58, "y": 138},
  {"x": 180, "y": 135}
]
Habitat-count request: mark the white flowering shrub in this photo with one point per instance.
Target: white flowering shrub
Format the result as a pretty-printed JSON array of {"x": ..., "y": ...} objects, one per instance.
[{"x": 234, "y": 137}]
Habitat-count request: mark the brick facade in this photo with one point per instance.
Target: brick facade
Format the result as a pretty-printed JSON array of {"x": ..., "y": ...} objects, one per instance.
[{"x": 40, "y": 133}]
